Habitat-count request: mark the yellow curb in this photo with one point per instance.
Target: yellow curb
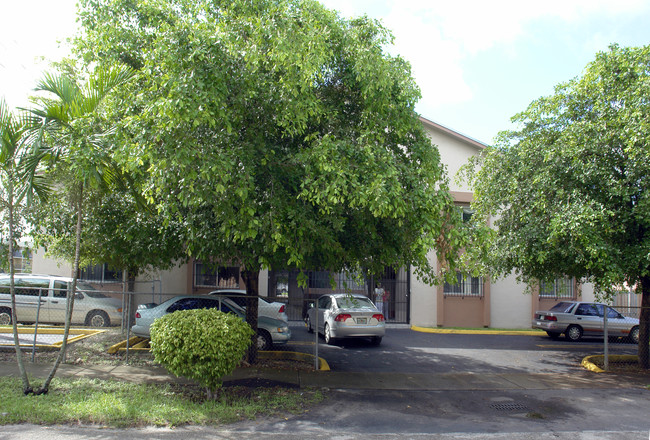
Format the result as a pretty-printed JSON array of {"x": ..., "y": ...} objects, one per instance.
[
  {"x": 81, "y": 333},
  {"x": 135, "y": 343},
  {"x": 588, "y": 362},
  {"x": 477, "y": 332}
]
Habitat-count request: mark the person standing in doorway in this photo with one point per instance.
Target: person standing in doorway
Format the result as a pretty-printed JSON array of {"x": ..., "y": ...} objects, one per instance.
[{"x": 379, "y": 298}]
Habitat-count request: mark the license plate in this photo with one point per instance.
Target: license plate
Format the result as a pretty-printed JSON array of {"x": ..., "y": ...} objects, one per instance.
[{"x": 362, "y": 320}]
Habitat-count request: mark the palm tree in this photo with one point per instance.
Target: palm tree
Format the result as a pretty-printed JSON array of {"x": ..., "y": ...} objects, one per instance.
[
  {"x": 14, "y": 188},
  {"x": 68, "y": 131}
]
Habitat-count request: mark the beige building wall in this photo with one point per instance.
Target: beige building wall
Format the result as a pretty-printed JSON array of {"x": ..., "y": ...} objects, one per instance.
[
  {"x": 41, "y": 264},
  {"x": 423, "y": 299},
  {"x": 510, "y": 305}
]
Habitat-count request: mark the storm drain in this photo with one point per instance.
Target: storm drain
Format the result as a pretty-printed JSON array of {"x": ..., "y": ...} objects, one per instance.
[{"x": 505, "y": 406}]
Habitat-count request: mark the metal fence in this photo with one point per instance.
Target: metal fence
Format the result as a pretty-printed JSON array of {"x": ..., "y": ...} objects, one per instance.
[
  {"x": 41, "y": 313},
  {"x": 621, "y": 326}
]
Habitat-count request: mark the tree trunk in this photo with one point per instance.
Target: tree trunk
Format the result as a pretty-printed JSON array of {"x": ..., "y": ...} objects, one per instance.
[
  {"x": 252, "y": 280},
  {"x": 644, "y": 324},
  {"x": 27, "y": 389},
  {"x": 70, "y": 296}
]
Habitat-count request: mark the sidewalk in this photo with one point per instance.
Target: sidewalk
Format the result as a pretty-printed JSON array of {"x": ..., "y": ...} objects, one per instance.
[{"x": 356, "y": 381}]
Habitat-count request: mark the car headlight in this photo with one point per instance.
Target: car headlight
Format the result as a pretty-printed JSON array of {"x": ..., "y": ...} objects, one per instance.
[{"x": 283, "y": 329}]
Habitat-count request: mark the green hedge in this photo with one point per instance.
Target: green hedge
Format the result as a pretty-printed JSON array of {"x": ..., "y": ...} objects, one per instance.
[{"x": 204, "y": 344}]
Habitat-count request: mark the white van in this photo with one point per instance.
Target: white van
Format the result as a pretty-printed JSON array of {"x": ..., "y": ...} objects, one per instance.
[{"x": 42, "y": 299}]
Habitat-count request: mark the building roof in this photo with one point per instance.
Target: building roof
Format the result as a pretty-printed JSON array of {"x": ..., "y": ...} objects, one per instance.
[{"x": 478, "y": 144}]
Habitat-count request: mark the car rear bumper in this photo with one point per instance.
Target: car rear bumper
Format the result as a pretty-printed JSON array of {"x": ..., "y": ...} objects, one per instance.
[
  {"x": 357, "y": 331},
  {"x": 549, "y": 326},
  {"x": 140, "y": 330}
]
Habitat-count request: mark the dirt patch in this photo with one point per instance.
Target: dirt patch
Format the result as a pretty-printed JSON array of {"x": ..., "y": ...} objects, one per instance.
[
  {"x": 94, "y": 351},
  {"x": 622, "y": 367}
]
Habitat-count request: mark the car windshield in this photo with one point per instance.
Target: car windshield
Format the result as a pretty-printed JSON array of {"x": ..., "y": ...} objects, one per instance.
[
  {"x": 562, "y": 307},
  {"x": 353, "y": 302}
]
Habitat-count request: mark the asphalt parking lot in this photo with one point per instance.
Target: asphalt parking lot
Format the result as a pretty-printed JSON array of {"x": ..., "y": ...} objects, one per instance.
[{"x": 407, "y": 351}]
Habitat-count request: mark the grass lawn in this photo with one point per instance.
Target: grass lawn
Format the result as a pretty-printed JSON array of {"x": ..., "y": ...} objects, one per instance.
[{"x": 120, "y": 404}]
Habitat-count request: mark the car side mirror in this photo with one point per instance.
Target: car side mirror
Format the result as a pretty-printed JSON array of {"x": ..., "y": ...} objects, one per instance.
[{"x": 79, "y": 296}]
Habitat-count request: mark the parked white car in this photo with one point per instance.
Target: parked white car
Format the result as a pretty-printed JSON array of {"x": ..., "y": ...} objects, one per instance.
[
  {"x": 343, "y": 315},
  {"x": 42, "y": 299},
  {"x": 275, "y": 310}
]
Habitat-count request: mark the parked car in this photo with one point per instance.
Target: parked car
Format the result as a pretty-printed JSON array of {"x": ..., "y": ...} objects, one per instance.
[
  {"x": 577, "y": 319},
  {"x": 270, "y": 331},
  {"x": 276, "y": 310},
  {"x": 42, "y": 299},
  {"x": 343, "y": 315}
]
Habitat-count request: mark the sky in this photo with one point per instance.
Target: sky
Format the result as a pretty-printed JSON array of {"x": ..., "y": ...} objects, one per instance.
[{"x": 477, "y": 63}]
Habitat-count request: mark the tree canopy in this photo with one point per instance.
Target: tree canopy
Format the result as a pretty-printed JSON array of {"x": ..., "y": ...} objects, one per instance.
[
  {"x": 569, "y": 188},
  {"x": 278, "y": 133}
]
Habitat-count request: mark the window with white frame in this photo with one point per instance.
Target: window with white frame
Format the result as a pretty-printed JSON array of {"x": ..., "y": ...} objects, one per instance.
[
  {"x": 215, "y": 276},
  {"x": 464, "y": 286},
  {"x": 101, "y": 273},
  {"x": 558, "y": 288}
]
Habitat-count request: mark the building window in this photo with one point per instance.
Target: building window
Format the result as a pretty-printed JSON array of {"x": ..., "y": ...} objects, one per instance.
[
  {"x": 101, "y": 273},
  {"x": 559, "y": 288},
  {"x": 467, "y": 213},
  {"x": 213, "y": 276},
  {"x": 319, "y": 279},
  {"x": 464, "y": 286}
]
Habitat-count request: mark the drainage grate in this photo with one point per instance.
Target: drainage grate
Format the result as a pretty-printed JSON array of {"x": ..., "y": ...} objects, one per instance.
[{"x": 509, "y": 407}]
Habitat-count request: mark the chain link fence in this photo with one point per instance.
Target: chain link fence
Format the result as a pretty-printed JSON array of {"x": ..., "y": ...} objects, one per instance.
[
  {"x": 118, "y": 321},
  {"x": 115, "y": 311},
  {"x": 621, "y": 336}
]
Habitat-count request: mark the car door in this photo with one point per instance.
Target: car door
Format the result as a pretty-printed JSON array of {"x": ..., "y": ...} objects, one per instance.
[
  {"x": 617, "y": 325},
  {"x": 57, "y": 302},
  {"x": 324, "y": 306},
  {"x": 587, "y": 317},
  {"x": 31, "y": 299}
]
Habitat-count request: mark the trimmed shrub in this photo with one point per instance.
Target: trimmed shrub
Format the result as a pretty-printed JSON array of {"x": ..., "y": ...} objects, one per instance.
[{"x": 202, "y": 344}]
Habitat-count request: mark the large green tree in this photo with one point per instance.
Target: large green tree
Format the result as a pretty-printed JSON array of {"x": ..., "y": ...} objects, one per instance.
[
  {"x": 569, "y": 188},
  {"x": 281, "y": 134}
]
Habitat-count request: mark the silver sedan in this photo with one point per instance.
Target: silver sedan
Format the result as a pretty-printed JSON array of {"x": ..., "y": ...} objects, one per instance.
[
  {"x": 269, "y": 331},
  {"x": 577, "y": 319},
  {"x": 343, "y": 315}
]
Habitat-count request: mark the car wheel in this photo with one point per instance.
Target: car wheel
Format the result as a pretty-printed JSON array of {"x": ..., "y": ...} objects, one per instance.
[
  {"x": 329, "y": 340},
  {"x": 98, "y": 318},
  {"x": 375, "y": 340},
  {"x": 5, "y": 316},
  {"x": 573, "y": 333},
  {"x": 553, "y": 335},
  {"x": 310, "y": 329},
  {"x": 634, "y": 335},
  {"x": 264, "y": 342}
]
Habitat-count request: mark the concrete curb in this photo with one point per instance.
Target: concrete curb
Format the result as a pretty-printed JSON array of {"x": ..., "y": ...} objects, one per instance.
[
  {"x": 588, "y": 362},
  {"x": 478, "y": 331}
]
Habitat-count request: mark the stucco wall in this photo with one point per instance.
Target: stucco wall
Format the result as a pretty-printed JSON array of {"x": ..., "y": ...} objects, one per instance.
[
  {"x": 48, "y": 266},
  {"x": 423, "y": 299},
  {"x": 454, "y": 153},
  {"x": 511, "y": 307}
]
